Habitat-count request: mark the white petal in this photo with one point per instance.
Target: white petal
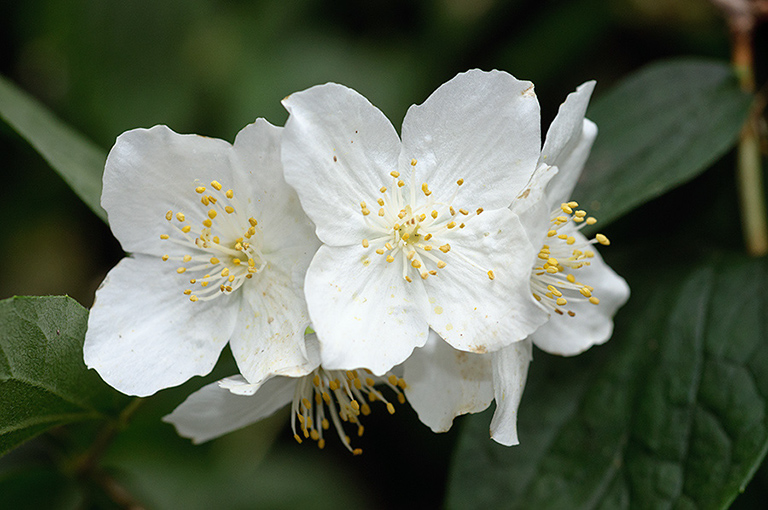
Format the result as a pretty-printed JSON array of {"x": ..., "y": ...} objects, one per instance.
[
  {"x": 532, "y": 207},
  {"x": 240, "y": 386},
  {"x": 592, "y": 324},
  {"x": 267, "y": 196},
  {"x": 338, "y": 150},
  {"x": 510, "y": 369},
  {"x": 568, "y": 142},
  {"x": 482, "y": 127},
  {"x": 269, "y": 335},
  {"x": 213, "y": 411},
  {"x": 151, "y": 171},
  {"x": 468, "y": 309},
  {"x": 443, "y": 383},
  {"x": 145, "y": 335},
  {"x": 364, "y": 313}
]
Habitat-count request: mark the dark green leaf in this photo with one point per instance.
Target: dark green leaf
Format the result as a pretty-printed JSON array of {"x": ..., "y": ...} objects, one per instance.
[
  {"x": 78, "y": 160},
  {"x": 659, "y": 128},
  {"x": 670, "y": 414},
  {"x": 43, "y": 380}
]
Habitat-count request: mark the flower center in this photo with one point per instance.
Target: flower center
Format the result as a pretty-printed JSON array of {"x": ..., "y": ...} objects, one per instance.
[
  {"x": 223, "y": 251},
  {"x": 411, "y": 227},
  {"x": 552, "y": 281},
  {"x": 345, "y": 395}
]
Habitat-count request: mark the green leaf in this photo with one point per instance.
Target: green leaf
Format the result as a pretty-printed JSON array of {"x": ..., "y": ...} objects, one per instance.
[
  {"x": 670, "y": 414},
  {"x": 77, "y": 160},
  {"x": 43, "y": 380},
  {"x": 659, "y": 128}
]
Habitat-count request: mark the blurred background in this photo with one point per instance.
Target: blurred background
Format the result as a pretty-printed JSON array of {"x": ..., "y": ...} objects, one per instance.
[{"x": 213, "y": 66}]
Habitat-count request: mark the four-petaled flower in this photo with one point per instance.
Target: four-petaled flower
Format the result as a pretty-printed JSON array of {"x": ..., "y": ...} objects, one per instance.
[
  {"x": 320, "y": 399},
  {"x": 416, "y": 233},
  {"x": 219, "y": 246},
  {"x": 443, "y": 382}
]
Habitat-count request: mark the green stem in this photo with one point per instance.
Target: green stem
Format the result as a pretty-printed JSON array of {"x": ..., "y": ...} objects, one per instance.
[
  {"x": 88, "y": 462},
  {"x": 752, "y": 196},
  {"x": 749, "y": 173}
]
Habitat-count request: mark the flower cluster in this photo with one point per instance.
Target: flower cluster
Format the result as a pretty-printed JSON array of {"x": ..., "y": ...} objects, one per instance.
[{"x": 427, "y": 263}]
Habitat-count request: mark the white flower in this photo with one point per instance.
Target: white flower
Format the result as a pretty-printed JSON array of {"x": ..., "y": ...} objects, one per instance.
[
  {"x": 319, "y": 399},
  {"x": 417, "y": 233},
  {"x": 219, "y": 246},
  {"x": 567, "y": 277}
]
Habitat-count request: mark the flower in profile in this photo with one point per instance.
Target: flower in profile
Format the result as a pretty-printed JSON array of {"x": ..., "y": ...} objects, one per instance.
[
  {"x": 416, "y": 233},
  {"x": 218, "y": 248},
  {"x": 566, "y": 278},
  {"x": 319, "y": 398}
]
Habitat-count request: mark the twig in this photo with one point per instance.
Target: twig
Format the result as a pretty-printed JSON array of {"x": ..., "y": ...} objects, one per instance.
[{"x": 743, "y": 16}]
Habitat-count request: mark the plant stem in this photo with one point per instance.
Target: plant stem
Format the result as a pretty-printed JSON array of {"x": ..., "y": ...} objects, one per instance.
[
  {"x": 749, "y": 174},
  {"x": 87, "y": 464}
]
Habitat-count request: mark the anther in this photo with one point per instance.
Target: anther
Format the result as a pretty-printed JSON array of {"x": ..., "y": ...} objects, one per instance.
[
  {"x": 169, "y": 215},
  {"x": 602, "y": 239},
  {"x": 200, "y": 189},
  {"x": 216, "y": 185},
  {"x": 180, "y": 216},
  {"x": 365, "y": 243},
  {"x": 491, "y": 276},
  {"x": 460, "y": 182}
]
